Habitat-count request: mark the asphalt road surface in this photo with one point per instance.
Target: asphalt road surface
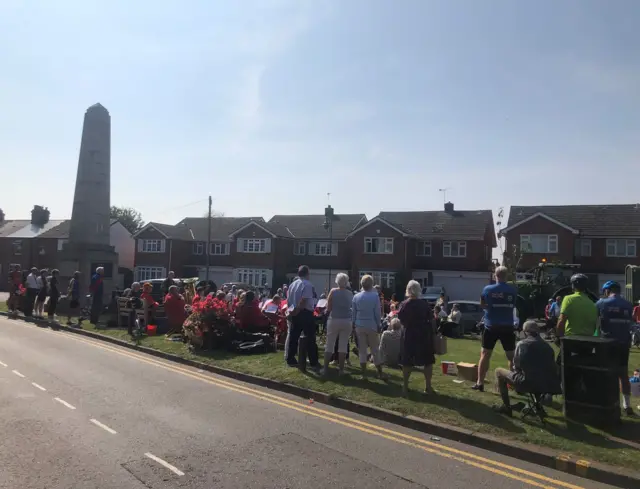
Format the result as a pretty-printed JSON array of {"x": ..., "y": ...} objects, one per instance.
[{"x": 79, "y": 413}]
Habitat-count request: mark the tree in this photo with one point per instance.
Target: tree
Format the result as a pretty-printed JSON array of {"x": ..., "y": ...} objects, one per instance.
[
  {"x": 214, "y": 213},
  {"x": 130, "y": 218}
]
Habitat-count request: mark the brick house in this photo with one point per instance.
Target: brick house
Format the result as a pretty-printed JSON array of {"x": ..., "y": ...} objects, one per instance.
[
  {"x": 449, "y": 248},
  {"x": 317, "y": 242},
  {"x": 603, "y": 239},
  {"x": 38, "y": 243}
]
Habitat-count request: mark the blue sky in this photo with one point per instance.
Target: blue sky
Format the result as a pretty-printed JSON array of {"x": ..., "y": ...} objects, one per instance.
[{"x": 268, "y": 105}]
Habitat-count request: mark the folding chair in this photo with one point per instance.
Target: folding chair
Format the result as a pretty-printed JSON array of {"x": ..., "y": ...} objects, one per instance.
[{"x": 534, "y": 406}]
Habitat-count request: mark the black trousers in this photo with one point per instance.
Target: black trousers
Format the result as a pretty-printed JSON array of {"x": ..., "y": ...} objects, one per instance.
[
  {"x": 53, "y": 304},
  {"x": 302, "y": 324},
  {"x": 96, "y": 309},
  {"x": 29, "y": 300}
]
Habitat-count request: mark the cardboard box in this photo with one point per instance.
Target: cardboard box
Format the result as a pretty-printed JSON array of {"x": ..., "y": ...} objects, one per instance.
[
  {"x": 449, "y": 368},
  {"x": 468, "y": 371}
]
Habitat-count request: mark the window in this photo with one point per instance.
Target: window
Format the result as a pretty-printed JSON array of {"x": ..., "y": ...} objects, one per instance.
[
  {"x": 424, "y": 248},
  {"x": 149, "y": 273},
  {"x": 386, "y": 280},
  {"x": 583, "y": 247},
  {"x": 378, "y": 245},
  {"x": 17, "y": 247},
  {"x": 61, "y": 243},
  {"x": 255, "y": 277},
  {"x": 320, "y": 249},
  {"x": 623, "y": 248},
  {"x": 218, "y": 249},
  {"x": 300, "y": 248},
  {"x": 151, "y": 246},
  {"x": 539, "y": 243},
  {"x": 454, "y": 249},
  {"x": 198, "y": 248},
  {"x": 254, "y": 245}
]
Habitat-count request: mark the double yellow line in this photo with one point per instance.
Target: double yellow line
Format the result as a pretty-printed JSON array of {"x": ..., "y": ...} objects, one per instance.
[{"x": 495, "y": 467}]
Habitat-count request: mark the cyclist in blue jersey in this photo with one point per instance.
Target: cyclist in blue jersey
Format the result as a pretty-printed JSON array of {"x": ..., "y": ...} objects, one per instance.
[
  {"x": 615, "y": 320},
  {"x": 498, "y": 301}
]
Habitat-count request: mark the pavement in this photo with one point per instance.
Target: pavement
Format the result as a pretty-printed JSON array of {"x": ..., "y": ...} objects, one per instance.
[{"x": 79, "y": 413}]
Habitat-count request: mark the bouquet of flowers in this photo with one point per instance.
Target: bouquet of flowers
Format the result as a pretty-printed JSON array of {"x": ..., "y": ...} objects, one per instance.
[{"x": 209, "y": 318}]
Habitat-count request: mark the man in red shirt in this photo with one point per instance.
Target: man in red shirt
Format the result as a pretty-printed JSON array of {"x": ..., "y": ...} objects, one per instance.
[
  {"x": 249, "y": 318},
  {"x": 174, "y": 309},
  {"x": 636, "y": 313},
  {"x": 15, "y": 283}
]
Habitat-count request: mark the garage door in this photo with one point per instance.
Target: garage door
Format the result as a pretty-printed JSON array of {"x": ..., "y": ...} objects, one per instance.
[
  {"x": 462, "y": 289},
  {"x": 219, "y": 275},
  {"x": 321, "y": 280}
]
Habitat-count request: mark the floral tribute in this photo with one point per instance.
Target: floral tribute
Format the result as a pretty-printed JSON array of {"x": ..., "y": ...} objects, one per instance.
[{"x": 209, "y": 318}]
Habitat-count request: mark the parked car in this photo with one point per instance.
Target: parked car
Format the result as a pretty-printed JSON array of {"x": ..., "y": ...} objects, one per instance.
[
  {"x": 472, "y": 314},
  {"x": 432, "y": 293}
]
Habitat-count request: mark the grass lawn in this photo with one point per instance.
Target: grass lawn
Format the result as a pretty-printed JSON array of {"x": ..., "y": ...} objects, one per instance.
[{"x": 455, "y": 404}]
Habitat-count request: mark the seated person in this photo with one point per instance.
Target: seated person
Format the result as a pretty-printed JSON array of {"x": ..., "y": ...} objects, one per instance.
[
  {"x": 455, "y": 315},
  {"x": 534, "y": 369},
  {"x": 390, "y": 343},
  {"x": 439, "y": 314},
  {"x": 174, "y": 309},
  {"x": 148, "y": 304},
  {"x": 249, "y": 318},
  {"x": 272, "y": 305}
]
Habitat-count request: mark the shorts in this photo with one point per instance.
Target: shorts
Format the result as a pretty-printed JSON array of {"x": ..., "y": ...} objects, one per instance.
[
  {"x": 621, "y": 357},
  {"x": 505, "y": 334},
  {"x": 339, "y": 329}
]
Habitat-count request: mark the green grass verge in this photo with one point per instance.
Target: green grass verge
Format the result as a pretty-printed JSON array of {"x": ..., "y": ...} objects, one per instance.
[{"x": 456, "y": 404}]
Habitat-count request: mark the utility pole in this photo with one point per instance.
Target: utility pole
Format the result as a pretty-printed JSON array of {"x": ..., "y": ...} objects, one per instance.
[{"x": 208, "y": 250}]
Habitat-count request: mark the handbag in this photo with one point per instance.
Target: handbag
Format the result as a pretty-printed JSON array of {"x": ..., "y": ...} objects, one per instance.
[{"x": 440, "y": 344}]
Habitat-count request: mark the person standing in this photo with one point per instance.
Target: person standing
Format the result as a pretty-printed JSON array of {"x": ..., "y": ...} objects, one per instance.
[
  {"x": 42, "y": 294},
  {"x": 366, "y": 317},
  {"x": 300, "y": 306},
  {"x": 418, "y": 337},
  {"x": 168, "y": 282},
  {"x": 54, "y": 294},
  {"x": 31, "y": 293},
  {"x": 97, "y": 291},
  {"x": 339, "y": 322},
  {"x": 15, "y": 293},
  {"x": 616, "y": 316},
  {"x": 498, "y": 301},
  {"x": 578, "y": 314},
  {"x": 73, "y": 293}
]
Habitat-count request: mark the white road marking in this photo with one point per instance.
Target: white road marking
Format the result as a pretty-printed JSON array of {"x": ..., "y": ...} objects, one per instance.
[
  {"x": 103, "y": 426},
  {"x": 64, "y": 403},
  {"x": 38, "y": 386},
  {"x": 18, "y": 374},
  {"x": 4, "y": 364},
  {"x": 164, "y": 464}
]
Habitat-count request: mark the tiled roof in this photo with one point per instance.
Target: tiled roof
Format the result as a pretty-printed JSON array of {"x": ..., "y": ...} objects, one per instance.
[
  {"x": 462, "y": 224},
  {"x": 221, "y": 227},
  {"x": 311, "y": 226},
  {"x": 23, "y": 229},
  {"x": 180, "y": 231},
  {"x": 61, "y": 231},
  {"x": 589, "y": 220}
]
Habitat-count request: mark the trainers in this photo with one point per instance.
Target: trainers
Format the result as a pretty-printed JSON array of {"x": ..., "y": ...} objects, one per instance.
[{"x": 478, "y": 387}]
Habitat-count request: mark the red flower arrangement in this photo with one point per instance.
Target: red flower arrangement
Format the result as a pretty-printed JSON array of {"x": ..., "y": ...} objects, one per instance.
[{"x": 207, "y": 315}]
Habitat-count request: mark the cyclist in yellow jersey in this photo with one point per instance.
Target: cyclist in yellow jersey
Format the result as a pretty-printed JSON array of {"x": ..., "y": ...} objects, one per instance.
[{"x": 579, "y": 314}]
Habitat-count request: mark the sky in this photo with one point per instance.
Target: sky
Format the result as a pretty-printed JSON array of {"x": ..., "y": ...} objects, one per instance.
[{"x": 270, "y": 105}]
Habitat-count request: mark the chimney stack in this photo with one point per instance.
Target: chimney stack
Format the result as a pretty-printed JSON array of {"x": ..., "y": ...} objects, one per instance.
[{"x": 448, "y": 207}]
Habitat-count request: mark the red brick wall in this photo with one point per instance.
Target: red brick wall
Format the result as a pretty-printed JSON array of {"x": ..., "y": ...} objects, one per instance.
[
  {"x": 152, "y": 259},
  {"x": 477, "y": 259}
]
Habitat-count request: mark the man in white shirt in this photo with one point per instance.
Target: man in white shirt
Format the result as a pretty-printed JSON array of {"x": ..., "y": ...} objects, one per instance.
[
  {"x": 31, "y": 293},
  {"x": 455, "y": 315}
]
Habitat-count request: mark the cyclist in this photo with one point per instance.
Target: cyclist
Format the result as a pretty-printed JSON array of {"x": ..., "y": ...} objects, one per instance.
[
  {"x": 615, "y": 314},
  {"x": 578, "y": 314}
]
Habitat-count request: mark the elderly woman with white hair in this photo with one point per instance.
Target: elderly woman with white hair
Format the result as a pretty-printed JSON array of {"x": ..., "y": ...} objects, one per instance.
[
  {"x": 339, "y": 304},
  {"x": 418, "y": 337},
  {"x": 366, "y": 317}
]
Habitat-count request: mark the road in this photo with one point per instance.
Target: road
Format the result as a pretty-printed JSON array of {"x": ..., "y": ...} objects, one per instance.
[{"x": 79, "y": 413}]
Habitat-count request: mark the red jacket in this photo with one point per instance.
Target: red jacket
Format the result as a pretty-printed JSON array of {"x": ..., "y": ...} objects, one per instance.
[
  {"x": 174, "y": 308},
  {"x": 250, "y": 315}
]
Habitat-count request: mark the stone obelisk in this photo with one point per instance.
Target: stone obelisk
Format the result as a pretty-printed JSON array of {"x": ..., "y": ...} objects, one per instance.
[{"x": 89, "y": 233}]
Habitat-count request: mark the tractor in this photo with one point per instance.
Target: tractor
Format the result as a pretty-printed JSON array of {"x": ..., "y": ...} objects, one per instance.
[{"x": 541, "y": 283}]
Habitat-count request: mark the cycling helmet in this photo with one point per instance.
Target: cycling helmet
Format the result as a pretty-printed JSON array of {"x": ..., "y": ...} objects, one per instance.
[
  {"x": 579, "y": 281},
  {"x": 611, "y": 284}
]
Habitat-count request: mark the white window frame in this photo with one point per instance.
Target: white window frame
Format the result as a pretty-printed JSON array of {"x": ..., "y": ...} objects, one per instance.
[
  {"x": 386, "y": 280},
  {"x": 254, "y": 245},
  {"x": 630, "y": 248},
  {"x": 584, "y": 247},
  {"x": 152, "y": 246},
  {"x": 149, "y": 273},
  {"x": 384, "y": 244},
  {"x": 198, "y": 248},
  {"x": 61, "y": 243},
  {"x": 424, "y": 248},
  {"x": 16, "y": 247},
  {"x": 256, "y": 277},
  {"x": 218, "y": 248},
  {"x": 461, "y": 249},
  {"x": 552, "y": 244},
  {"x": 320, "y": 248},
  {"x": 300, "y": 248}
]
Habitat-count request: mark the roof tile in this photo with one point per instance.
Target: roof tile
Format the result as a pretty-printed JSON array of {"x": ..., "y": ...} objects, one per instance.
[
  {"x": 311, "y": 226},
  {"x": 470, "y": 225}
]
